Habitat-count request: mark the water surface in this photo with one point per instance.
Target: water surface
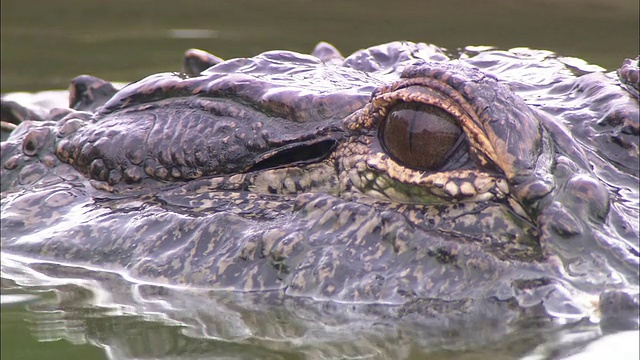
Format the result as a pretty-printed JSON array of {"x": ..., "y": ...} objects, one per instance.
[{"x": 46, "y": 43}]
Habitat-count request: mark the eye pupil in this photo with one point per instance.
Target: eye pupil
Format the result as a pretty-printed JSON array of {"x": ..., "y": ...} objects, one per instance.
[{"x": 419, "y": 136}]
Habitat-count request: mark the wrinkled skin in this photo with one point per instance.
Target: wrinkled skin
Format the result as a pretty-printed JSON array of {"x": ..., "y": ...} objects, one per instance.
[{"x": 271, "y": 174}]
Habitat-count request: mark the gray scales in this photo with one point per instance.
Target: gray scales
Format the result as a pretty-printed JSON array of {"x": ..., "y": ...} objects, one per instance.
[{"x": 400, "y": 175}]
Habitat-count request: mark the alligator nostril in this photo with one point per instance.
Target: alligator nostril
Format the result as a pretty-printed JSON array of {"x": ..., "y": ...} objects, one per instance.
[
  {"x": 30, "y": 147},
  {"x": 34, "y": 141}
]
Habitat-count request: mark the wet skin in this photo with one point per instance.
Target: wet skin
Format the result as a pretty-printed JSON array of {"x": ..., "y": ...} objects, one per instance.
[{"x": 393, "y": 175}]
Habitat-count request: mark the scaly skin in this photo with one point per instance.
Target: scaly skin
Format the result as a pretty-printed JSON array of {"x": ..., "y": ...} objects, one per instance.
[{"x": 269, "y": 174}]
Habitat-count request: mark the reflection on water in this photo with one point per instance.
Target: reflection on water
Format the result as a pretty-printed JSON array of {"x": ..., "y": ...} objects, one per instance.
[
  {"x": 146, "y": 321},
  {"x": 28, "y": 334}
]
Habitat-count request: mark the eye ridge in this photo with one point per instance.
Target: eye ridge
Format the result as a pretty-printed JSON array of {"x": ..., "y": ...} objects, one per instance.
[{"x": 421, "y": 136}]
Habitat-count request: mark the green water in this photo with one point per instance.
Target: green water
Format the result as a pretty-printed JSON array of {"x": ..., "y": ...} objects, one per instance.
[
  {"x": 23, "y": 338},
  {"x": 46, "y": 43}
]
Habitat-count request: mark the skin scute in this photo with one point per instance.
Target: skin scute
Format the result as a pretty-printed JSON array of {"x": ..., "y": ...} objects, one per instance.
[{"x": 268, "y": 174}]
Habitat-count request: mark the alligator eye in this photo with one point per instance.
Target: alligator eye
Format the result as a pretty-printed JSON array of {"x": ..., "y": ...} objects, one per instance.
[{"x": 420, "y": 136}]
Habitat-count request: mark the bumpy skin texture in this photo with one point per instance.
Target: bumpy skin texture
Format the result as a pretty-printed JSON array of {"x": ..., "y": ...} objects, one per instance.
[{"x": 268, "y": 174}]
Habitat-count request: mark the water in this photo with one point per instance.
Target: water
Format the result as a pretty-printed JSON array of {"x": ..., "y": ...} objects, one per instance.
[{"x": 44, "y": 44}]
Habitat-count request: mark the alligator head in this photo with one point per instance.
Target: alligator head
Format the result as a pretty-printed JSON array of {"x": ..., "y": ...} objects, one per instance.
[{"x": 390, "y": 176}]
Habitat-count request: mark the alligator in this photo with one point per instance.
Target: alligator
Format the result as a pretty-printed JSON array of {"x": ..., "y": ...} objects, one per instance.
[{"x": 397, "y": 175}]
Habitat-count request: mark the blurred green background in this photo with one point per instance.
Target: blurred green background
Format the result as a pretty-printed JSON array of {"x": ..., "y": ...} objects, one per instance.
[{"x": 46, "y": 43}]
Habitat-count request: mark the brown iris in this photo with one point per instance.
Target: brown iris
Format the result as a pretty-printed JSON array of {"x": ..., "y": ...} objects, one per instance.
[{"x": 420, "y": 136}]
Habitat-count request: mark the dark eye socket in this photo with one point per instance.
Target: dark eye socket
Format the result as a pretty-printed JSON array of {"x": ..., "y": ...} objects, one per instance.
[{"x": 420, "y": 136}]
